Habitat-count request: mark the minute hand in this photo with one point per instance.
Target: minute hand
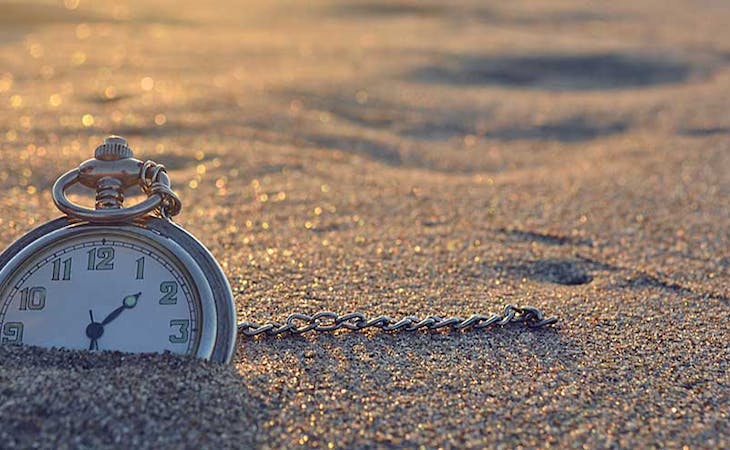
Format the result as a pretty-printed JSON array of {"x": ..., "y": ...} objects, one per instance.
[{"x": 129, "y": 302}]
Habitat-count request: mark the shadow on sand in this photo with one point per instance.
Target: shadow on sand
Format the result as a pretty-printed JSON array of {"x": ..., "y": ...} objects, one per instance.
[
  {"x": 571, "y": 129},
  {"x": 381, "y": 10},
  {"x": 559, "y": 72},
  {"x": 17, "y": 14}
]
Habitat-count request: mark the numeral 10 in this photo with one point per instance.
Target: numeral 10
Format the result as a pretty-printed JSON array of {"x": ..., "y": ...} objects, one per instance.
[{"x": 32, "y": 298}]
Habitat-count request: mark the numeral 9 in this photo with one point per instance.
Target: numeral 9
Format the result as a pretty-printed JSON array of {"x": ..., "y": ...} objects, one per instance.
[{"x": 12, "y": 333}]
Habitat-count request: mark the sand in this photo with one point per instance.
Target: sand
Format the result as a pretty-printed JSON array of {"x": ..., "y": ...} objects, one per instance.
[{"x": 399, "y": 158}]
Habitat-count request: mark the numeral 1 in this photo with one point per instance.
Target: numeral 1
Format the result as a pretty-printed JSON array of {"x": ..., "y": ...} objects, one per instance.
[
  {"x": 32, "y": 298},
  {"x": 140, "y": 268},
  {"x": 56, "y": 275}
]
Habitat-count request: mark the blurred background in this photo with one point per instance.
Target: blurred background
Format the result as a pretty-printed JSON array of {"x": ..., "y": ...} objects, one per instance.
[
  {"x": 417, "y": 83},
  {"x": 351, "y": 121}
]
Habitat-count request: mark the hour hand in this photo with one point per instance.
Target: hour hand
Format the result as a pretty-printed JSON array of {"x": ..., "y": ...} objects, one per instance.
[
  {"x": 94, "y": 331},
  {"x": 128, "y": 302}
]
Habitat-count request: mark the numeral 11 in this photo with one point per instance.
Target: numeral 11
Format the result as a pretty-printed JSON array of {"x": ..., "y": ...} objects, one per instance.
[{"x": 56, "y": 271}]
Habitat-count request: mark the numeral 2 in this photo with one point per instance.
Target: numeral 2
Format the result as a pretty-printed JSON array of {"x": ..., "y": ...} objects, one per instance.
[
  {"x": 169, "y": 288},
  {"x": 105, "y": 256},
  {"x": 32, "y": 298}
]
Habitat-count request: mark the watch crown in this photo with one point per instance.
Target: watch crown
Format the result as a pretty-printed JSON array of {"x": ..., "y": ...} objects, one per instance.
[{"x": 114, "y": 148}]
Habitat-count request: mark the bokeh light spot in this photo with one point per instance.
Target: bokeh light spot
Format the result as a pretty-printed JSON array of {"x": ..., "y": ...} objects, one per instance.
[
  {"x": 55, "y": 100},
  {"x": 110, "y": 92},
  {"x": 78, "y": 58},
  {"x": 16, "y": 101},
  {"x": 83, "y": 31},
  {"x": 87, "y": 120},
  {"x": 6, "y": 82},
  {"x": 147, "y": 84}
]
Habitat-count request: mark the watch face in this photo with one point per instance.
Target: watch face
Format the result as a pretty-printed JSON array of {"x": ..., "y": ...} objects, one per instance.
[{"x": 106, "y": 288}]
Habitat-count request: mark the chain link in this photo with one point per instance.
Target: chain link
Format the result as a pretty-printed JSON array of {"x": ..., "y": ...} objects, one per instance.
[
  {"x": 153, "y": 180},
  {"x": 327, "y": 321}
]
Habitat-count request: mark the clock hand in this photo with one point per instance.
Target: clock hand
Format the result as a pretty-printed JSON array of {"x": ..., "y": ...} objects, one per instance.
[
  {"x": 94, "y": 331},
  {"x": 128, "y": 302}
]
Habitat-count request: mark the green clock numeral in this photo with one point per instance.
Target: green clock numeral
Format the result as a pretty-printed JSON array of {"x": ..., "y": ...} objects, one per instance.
[
  {"x": 105, "y": 255},
  {"x": 32, "y": 298},
  {"x": 183, "y": 327},
  {"x": 140, "y": 268},
  {"x": 12, "y": 333},
  {"x": 56, "y": 272},
  {"x": 169, "y": 288}
]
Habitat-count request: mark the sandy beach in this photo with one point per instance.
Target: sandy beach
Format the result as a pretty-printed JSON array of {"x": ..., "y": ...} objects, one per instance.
[{"x": 400, "y": 158}]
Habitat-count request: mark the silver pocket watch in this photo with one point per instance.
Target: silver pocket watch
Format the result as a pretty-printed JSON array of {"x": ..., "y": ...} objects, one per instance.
[{"x": 115, "y": 277}]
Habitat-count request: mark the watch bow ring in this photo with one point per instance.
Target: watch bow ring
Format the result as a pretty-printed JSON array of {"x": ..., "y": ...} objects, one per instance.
[{"x": 111, "y": 172}]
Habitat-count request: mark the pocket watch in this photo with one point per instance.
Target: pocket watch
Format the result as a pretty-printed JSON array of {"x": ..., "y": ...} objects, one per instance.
[{"x": 115, "y": 277}]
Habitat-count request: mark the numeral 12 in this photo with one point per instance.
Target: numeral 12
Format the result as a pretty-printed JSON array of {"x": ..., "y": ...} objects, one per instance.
[{"x": 105, "y": 256}]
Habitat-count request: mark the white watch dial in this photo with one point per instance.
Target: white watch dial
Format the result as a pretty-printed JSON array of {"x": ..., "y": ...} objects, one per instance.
[{"x": 102, "y": 291}]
